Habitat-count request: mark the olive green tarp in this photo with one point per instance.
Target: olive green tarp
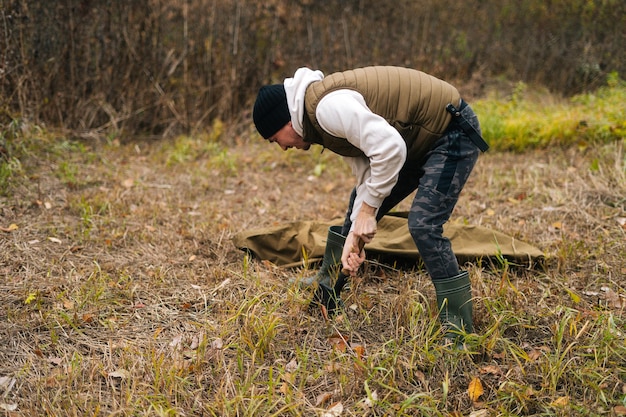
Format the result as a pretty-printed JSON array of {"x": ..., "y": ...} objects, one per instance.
[{"x": 302, "y": 243}]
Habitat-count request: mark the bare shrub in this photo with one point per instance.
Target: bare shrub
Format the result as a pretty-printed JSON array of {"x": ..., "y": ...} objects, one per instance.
[{"x": 163, "y": 67}]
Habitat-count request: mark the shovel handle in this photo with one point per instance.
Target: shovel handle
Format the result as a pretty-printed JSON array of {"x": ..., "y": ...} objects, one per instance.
[{"x": 357, "y": 248}]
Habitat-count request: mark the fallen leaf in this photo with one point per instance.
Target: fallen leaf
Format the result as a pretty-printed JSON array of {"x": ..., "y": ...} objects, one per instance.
[
  {"x": 54, "y": 240},
  {"x": 334, "y": 410},
  {"x": 8, "y": 407},
  {"x": 217, "y": 344},
  {"x": 120, "y": 373},
  {"x": 88, "y": 317},
  {"x": 619, "y": 410},
  {"x": 9, "y": 229},
  {"x": 292, "y": 366},
  {"x": 368, "y": 402},
  {"x": 366, "y": 301},
  {"x": 613, "y": 298},
  {"x": 176, "y": 342},
  {"x": 340, "y": 318},
  {"x": 76, "y": 248},
  {"x": 359, "y": 351},
  {"x": 479, "y": 413},
  {"x": 560, "y": 402},
  {"x": 284, "y": 388},
  {"x": 475, "y": 389},
  {"x": 128, "y": 183},
  {"x": 324, "y": 311},
  {"x": 323, "y": 398},
  {"x": 6, "y": 383},
  {"x": 55, "y": 361},
  {"x": 534, "y": 354},
  {"x": 421, "y": 377},
  {"x": 338, "y": 342},
  {"x": 196, "y": 340},
  {"x": 491, "y": 369}
]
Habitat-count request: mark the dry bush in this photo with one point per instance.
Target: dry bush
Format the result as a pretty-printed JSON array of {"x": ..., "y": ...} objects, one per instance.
[{"x": 166, "y": 67}]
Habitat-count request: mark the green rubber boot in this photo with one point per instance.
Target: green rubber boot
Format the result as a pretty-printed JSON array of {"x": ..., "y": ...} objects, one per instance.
[
  {"x": 331, "y": 261},
  {"x": 454, "y": 300},
  {"x": 329, "y": 280}
]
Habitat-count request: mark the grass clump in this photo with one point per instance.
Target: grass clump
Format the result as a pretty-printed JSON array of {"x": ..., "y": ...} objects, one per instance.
[{"x": 523, "y": 122}]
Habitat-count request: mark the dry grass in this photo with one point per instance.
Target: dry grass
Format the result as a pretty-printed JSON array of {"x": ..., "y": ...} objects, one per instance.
[{"x": 123, "y": 295}]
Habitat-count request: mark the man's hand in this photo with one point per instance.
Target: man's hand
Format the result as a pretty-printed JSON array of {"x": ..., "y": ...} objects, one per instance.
[
  {"x": 353, "y": 255},
  {"x": 363, "y": 232}
]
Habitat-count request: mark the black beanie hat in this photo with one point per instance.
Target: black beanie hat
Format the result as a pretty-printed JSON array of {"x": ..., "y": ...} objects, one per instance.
[{"x": 271, "y": 112}]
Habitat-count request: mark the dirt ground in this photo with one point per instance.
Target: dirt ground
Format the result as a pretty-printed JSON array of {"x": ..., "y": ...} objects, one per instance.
[{"x": 116, "y": 247}]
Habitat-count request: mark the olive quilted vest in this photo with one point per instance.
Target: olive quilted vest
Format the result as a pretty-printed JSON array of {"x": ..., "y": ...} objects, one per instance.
[{"x": 411, "y": 101}]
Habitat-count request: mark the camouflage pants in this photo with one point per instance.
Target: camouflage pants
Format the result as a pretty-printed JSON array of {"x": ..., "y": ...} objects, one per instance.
[{"x": 438, "y": 181}]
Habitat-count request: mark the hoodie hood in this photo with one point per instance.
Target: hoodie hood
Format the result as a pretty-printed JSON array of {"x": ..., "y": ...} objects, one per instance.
[{"x": 295, "y": 88}]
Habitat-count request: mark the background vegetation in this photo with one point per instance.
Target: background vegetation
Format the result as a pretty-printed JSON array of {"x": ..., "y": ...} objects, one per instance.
[{"x": 173, "y": 66}]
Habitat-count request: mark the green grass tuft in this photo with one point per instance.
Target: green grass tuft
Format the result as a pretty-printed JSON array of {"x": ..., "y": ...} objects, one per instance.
[{"x": 520, "y": 123}]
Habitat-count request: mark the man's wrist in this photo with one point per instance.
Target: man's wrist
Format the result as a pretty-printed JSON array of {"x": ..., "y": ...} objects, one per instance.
[{"x": 367, "y": 209}]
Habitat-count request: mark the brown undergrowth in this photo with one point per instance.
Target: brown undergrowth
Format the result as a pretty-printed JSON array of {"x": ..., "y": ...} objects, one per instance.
[{"x": 122, "y": 293}]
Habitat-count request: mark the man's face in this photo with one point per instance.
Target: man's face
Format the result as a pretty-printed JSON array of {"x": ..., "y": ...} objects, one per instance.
[{"x": 287, "y": 138}]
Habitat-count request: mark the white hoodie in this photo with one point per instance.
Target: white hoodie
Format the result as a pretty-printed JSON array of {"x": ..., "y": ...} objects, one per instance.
[{"x": 344, "y": 113}]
